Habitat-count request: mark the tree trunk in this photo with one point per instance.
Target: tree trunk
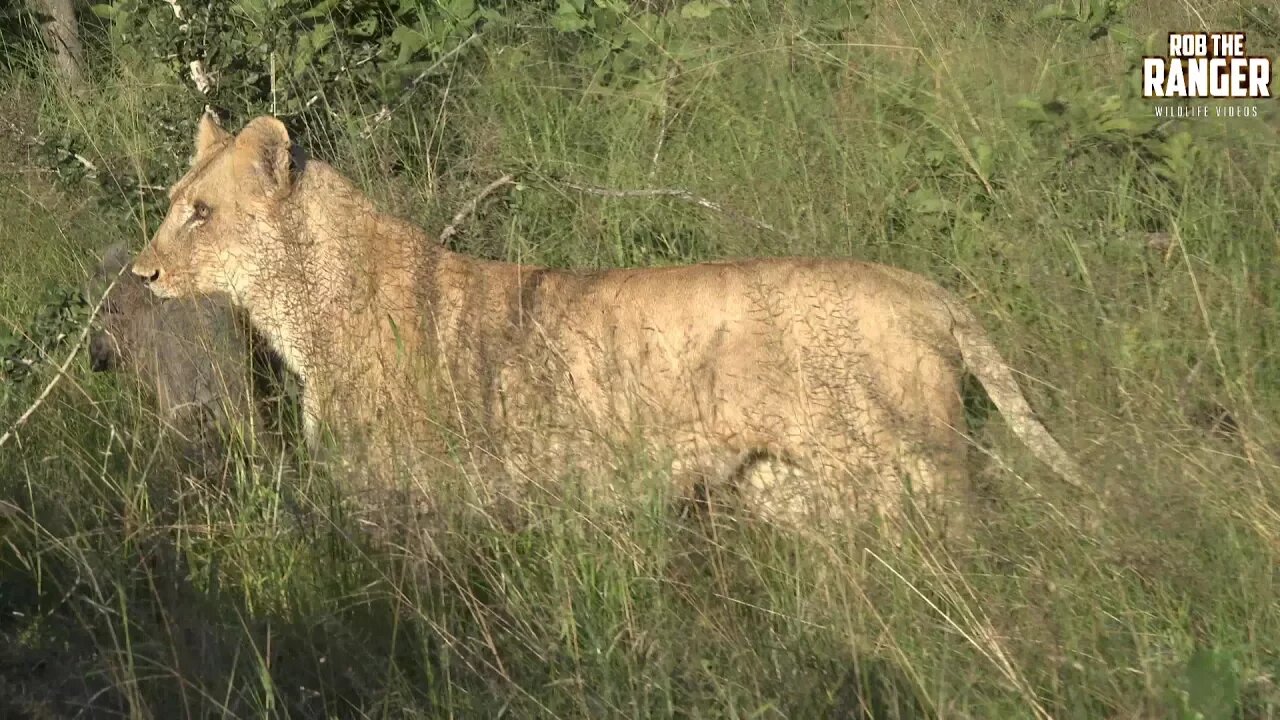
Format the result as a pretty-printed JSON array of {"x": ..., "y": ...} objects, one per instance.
[{"x": 64, "y": 37}]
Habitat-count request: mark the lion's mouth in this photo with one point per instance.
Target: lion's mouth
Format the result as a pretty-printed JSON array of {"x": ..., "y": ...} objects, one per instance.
[{"x": 163, "y": 289}]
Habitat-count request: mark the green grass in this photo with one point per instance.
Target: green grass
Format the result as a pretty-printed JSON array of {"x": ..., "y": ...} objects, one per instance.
[{"x": 128, "y": 587}]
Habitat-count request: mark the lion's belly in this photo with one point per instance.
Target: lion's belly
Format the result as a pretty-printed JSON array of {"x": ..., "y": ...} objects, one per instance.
[
  {"x": 791, "y": 384},
  {"x": 837, "y": 384}
]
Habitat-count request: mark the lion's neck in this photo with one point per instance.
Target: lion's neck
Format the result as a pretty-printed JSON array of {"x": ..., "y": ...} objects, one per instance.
[{"x": 340, "y": 297}]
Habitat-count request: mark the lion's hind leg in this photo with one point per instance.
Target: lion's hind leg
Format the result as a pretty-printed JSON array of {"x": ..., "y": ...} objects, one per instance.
[
  {"x": 763, "y": 483},
  {"x": 825, "y": 492}
]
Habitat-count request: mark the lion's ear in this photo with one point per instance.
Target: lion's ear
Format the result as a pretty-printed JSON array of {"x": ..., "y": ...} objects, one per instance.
[
  {"x": 263, "y": 151},
  {"x": 209, "y": 137}
]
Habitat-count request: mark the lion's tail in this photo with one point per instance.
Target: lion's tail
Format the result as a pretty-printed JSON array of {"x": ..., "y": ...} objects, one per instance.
[{"x": 984, "y": 361}]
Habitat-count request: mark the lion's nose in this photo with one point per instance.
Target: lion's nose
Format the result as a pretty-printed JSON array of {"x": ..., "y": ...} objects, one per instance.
[{"x": 147, "y": 277}]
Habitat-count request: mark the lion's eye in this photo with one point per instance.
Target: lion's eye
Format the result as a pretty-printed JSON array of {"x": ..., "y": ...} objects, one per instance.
[{"x": 199, "y": 211}]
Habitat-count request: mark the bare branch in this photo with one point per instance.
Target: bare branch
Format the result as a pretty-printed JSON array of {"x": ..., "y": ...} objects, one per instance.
[
  {"x": 413, "y": 84},
  {"x": 385, "y": 113},
  {"x": 467, "y": 210}
]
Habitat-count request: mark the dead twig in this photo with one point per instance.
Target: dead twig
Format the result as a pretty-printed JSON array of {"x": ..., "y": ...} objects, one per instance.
[
  {"x": 679, "y": 194},
  {"x": 385, "y": 112},
  {"x": 664, "y": 113},
  {"x": 467, "y": 210},
  {"x": 413, "y": 84}
]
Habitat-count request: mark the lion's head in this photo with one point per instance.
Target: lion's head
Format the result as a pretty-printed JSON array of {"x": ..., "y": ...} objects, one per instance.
[{"x": 226, "y": 215}]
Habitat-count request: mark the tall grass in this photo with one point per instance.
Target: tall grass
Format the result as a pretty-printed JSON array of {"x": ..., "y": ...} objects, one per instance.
[{"x": 1137, "y": 295}]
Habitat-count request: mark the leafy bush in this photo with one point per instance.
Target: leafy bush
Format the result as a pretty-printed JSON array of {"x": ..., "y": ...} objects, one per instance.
[
  {"x": 56, "y": 323},
  {"x": 282, "y": 55}
]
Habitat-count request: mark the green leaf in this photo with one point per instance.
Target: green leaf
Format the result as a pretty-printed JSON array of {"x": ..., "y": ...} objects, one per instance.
[
  {"x": 698, "y": 9},
  {"x": 1034, "y": 111},
  {"x": 410, "y": 42},
  {"x": 491, "y": 16},
  {"x": 320, "y": 36},
  {"x": 898, "y": 153},
  {"x": 683, "y": 48},
  {"x": 606, "y": 21},
  {"x": 366, "y": 27},
  {"x": 105, "y": 10},
  {"x": 1028, "y": 104},
  {"x": 983, "y": 154},
  {"x": 836, "y": 25},
  {"x": 1117, "y": 124},
  {"x": 1155, "y": 43},
  {"x": 511, "y": 57},
  {"x": 1213, "y": 684},
  {"x": 252, "y": 8},
  {"x": 1053, "y": 11},
  {"x": 595, "y": 54},
  {"x": 1125, "y": 37},
  {"x": 459, "y": 9},
  {"x": 651, "y": 94},
  {"x": 928, "y": 202},
  {"x": 310, "y": 45},
  {"x": 321, "y": 9},
  {"x": 569, "y": 18}
]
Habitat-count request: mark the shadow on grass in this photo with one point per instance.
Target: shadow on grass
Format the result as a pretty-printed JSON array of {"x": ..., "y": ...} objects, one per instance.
[{"x": 151, "y": 627}]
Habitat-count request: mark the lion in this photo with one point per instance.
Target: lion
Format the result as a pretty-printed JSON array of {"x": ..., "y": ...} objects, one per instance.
[{"x": 843, "y": 377}]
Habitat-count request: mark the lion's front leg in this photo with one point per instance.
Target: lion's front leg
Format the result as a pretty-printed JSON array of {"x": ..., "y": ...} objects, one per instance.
[{"x": 310, "y": 420}]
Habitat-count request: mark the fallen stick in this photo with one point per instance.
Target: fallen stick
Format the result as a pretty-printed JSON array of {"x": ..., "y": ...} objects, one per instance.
[{"x": 467, "y": 210}]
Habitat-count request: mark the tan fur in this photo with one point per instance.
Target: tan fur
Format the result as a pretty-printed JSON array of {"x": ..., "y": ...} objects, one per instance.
[{"x": 849, "y": 371}]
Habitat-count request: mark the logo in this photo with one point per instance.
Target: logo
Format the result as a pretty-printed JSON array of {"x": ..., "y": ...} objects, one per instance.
[{"x": 1207, "y": 65}]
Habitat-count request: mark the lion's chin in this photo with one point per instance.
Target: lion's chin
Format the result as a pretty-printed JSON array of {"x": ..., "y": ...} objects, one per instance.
[{"x": 166, "y": 290}]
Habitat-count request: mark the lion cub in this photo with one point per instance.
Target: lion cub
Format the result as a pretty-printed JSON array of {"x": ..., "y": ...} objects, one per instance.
[{"x": 847, "y": 372}]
